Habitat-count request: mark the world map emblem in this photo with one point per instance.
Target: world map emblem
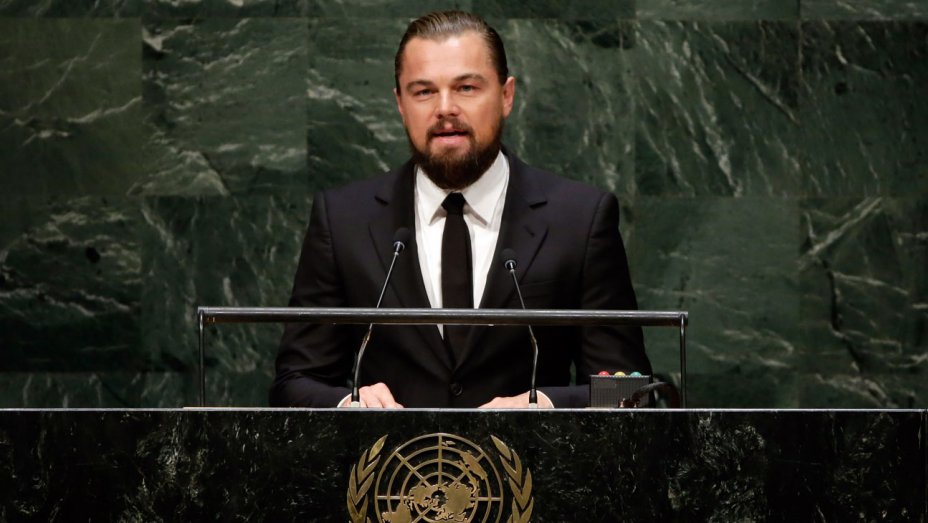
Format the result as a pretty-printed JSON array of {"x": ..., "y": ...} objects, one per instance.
[{"x": 438, "y": 478}]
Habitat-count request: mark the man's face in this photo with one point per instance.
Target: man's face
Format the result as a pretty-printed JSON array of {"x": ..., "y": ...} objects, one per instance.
[{"x": 453, "y": 107}]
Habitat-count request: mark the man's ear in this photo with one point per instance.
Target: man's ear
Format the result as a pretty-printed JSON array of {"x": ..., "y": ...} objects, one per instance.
[
  {"x": 399, "y": 106},
  {"x": 509, "y": 95}
]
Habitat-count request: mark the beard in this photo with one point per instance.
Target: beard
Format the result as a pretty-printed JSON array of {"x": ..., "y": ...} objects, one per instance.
[{"x": 452, "y": 170}]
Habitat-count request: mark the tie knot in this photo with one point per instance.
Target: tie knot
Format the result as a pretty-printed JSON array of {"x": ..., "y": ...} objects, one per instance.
[{"x": 454, "y": 203}]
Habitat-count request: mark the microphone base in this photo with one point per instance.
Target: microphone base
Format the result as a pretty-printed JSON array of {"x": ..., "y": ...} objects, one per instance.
[{"x": 355, "y": 404}]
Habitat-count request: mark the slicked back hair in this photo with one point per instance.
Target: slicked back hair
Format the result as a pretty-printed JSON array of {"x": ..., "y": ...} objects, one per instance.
[{"x": 441, "y": 25}]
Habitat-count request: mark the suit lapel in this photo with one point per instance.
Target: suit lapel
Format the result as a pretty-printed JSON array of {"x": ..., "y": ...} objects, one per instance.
[
  {"x": 396, "y": 197},
  {"x": 523, "y": 230}
]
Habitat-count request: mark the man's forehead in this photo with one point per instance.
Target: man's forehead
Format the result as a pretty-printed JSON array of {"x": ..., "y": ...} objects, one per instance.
[{"x": 468, "y": 41}]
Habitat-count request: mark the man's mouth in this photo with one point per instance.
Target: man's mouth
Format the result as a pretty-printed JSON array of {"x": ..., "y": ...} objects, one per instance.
[{"x": 449, "y": 133}]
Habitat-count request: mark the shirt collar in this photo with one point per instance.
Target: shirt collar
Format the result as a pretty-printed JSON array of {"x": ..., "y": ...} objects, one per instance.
[{"x": 482, "y": 196}]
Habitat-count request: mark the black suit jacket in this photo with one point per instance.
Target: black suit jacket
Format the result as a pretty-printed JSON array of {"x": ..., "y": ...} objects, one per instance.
[{"x": 566, "y": 238}]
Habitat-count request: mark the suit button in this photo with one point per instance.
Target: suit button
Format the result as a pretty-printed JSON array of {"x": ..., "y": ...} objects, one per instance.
[{"x": 456, "y": 389}]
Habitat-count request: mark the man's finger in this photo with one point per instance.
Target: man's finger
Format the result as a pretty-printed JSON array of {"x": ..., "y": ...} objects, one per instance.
[
  {"x": 371, "y": 401},
  {"x": 515, "y": 402},
  {"x": 379, "y": 396},
  {"x": 369, "y": 398},
  {"x": 500, "y": 403}
]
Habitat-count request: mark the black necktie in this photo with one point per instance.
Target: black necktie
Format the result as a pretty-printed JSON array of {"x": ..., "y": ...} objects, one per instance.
[{"x": 457, "y": 280}]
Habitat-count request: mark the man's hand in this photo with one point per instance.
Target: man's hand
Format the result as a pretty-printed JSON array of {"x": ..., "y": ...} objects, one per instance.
[
  {"x": 376, "y": 396},
  {"x": 517, "y": 402}
]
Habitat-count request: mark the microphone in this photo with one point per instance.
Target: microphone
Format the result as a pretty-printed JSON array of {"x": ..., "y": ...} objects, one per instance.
[
  {"x": 400, "y": 238},
  {"x": 509, "y": 262}
]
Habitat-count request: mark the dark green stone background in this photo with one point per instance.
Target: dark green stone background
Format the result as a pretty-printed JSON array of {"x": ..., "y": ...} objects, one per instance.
[{"x": 771, "y": 157}]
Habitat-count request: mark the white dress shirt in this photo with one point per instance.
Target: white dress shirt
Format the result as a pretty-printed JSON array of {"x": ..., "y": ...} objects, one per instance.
[{"x": 483, "y": 215}]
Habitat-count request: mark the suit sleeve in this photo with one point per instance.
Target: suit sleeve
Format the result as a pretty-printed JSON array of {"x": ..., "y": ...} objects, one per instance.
[
  {"x": 314, "y": 361},
  {"x": 605, "y": 285}
]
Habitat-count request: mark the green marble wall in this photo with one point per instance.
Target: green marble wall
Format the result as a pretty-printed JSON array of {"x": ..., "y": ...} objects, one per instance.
[{"x": 771, "y": 157}]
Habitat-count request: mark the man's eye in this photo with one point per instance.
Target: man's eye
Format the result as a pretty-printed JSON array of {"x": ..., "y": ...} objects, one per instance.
[
  {"x": 422, "y": 92},
  {"x": 467, "y": 88}
]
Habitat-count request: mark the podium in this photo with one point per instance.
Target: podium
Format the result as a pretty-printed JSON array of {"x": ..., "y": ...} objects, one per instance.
[
  {"x": 566, "y": 466},
  {"x": 429, "y": 465}
]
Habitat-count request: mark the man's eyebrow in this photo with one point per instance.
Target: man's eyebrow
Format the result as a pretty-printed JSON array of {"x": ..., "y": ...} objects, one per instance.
[
  {"x": 418, "y": 83},
  {"x": 470, "y": 76},
  {"x": 476, "y": 77}
]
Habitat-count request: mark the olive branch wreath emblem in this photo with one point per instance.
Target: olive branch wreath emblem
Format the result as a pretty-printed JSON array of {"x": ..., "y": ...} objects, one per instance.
[
  {"x": 520, "y": 484},
  {"x": 361, "y": 478}
]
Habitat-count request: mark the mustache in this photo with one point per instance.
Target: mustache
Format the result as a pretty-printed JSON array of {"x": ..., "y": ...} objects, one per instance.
[{"x": 455, "y": 124}]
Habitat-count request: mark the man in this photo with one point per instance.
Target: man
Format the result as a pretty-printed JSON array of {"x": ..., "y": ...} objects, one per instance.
[{"x": 467, "y": 199}]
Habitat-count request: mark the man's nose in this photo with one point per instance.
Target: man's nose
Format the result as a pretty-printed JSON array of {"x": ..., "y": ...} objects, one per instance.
[{"x": 447, "y": 106}]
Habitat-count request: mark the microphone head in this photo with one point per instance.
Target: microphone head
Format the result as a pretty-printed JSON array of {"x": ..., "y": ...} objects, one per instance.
[
  {"x": 509, "y": 258},
  {"x": 400, "y": 238}
]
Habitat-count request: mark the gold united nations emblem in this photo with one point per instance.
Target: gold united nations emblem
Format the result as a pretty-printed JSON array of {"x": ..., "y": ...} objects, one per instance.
[{"x": 439, "y": 478}]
